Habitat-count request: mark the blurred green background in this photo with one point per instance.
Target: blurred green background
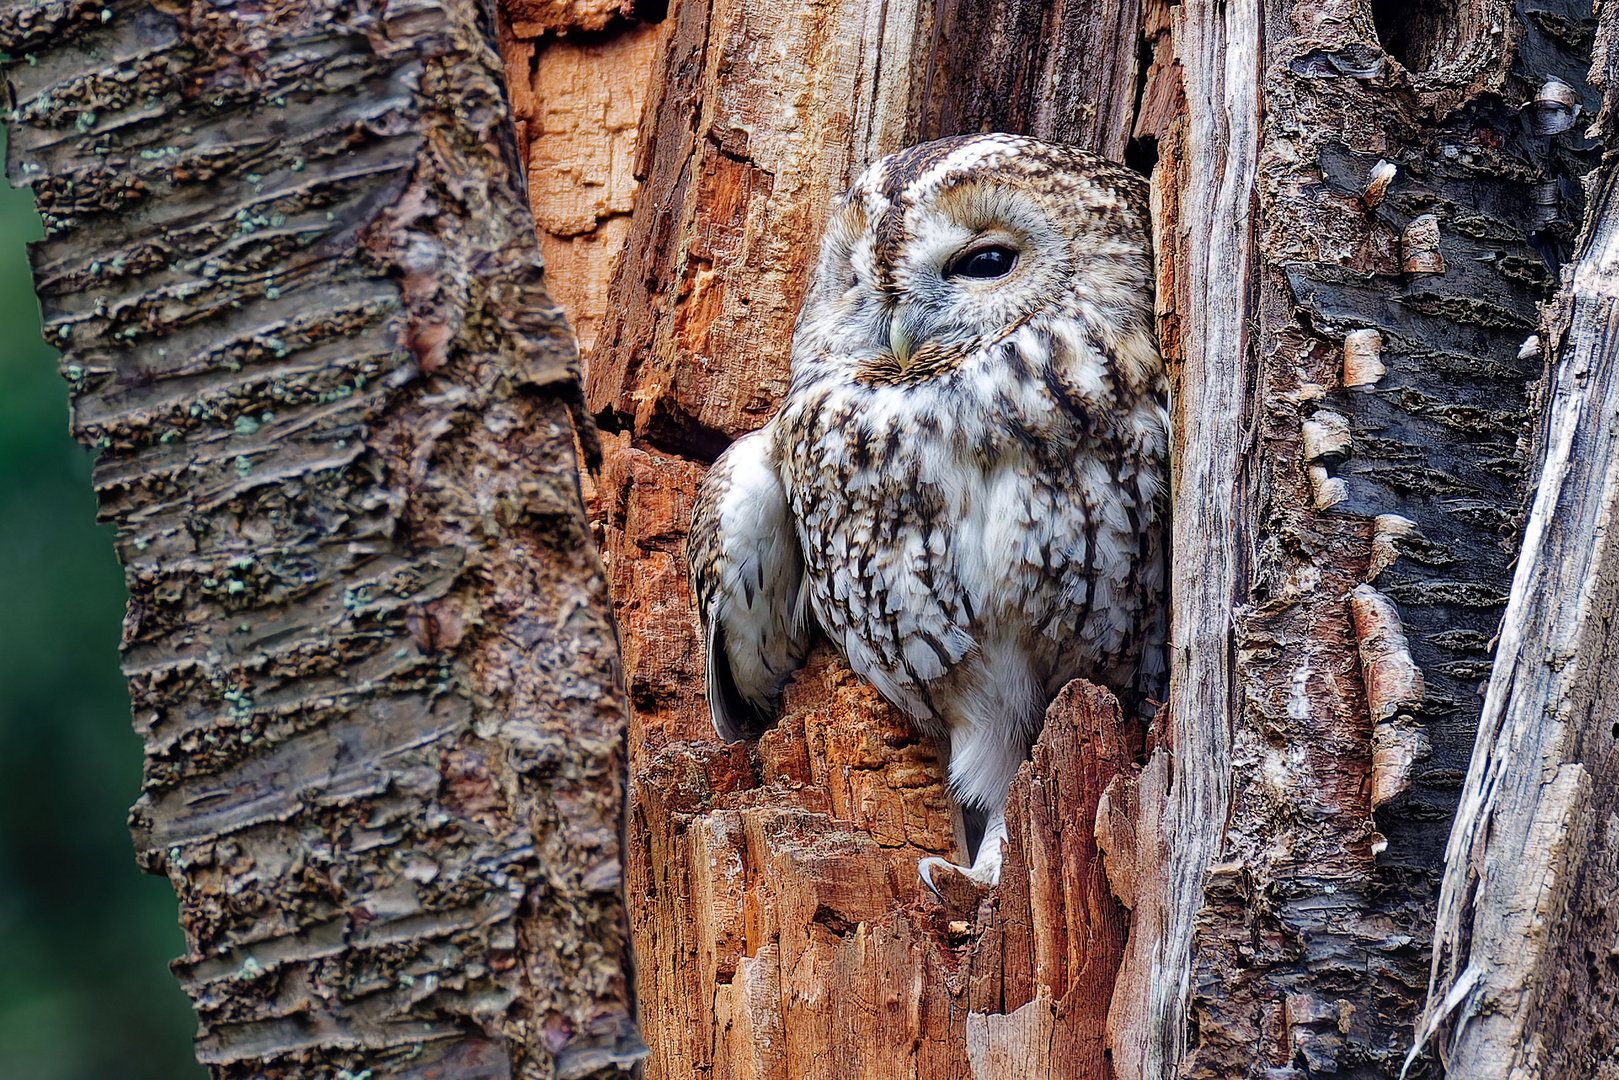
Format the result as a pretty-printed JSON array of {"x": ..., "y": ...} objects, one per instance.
[{"x": 85, "y": 938}]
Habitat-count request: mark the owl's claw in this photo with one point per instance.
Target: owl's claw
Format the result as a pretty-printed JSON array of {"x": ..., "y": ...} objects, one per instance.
[
  {"x": 925, "y": 869},
  {"x": 985, "y": 872}
]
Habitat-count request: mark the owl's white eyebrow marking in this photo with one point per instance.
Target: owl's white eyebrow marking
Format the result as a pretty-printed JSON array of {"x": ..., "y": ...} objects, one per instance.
[{"x": 980, "y": 152}]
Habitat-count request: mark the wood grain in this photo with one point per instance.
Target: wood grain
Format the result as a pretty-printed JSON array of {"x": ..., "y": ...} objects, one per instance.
[{"x": 1206, "y": 248}]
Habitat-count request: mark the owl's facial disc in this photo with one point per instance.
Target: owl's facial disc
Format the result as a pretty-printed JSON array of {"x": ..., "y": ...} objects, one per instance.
[
  {"x": 984, "y": 261},
  {"x": 941, "y": 253}
]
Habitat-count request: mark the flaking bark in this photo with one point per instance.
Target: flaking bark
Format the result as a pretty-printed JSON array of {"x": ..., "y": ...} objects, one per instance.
[
  {"x": 1382, "y": 506},
  {"x": 291, "y": 268},
  {"x": 1524, "y": 979}
]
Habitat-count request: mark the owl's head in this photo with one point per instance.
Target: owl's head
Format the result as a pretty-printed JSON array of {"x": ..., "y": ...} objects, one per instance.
[{"x": 944, "y": 248}]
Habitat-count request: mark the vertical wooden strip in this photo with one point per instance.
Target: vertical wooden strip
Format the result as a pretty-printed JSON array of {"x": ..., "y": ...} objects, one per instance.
[{"x": 1212, "y": 167}]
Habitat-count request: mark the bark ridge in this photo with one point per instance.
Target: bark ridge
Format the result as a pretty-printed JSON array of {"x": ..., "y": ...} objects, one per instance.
[{"x": 368, "y": 642}]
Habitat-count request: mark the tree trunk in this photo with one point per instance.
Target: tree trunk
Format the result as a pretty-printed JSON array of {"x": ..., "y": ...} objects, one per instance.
[
  {"x": 368, "y": 641},
  {"x": 287, "y": 254},
  {"x": 1353, "y": 420}
]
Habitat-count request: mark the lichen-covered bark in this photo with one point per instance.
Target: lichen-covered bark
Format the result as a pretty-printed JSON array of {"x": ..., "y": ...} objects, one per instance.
[
  {"x": 290, "y": 265},
  {"x": 1384, "y": 484}
]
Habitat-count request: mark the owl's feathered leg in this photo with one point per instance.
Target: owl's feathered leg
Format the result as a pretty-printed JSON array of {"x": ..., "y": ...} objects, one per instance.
[{"x": 984, "y": 759}]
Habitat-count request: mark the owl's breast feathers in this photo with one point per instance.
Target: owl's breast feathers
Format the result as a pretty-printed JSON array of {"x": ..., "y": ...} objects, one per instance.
[{"x": 1010, "y": 504}]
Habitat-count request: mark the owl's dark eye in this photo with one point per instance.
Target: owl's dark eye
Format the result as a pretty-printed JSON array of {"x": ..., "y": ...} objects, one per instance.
[{"x": 985, "y": 262}]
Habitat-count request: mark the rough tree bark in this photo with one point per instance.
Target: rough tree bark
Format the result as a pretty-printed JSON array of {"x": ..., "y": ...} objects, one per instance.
[
  {"x": 1353, "y": 417},
  {"x": 287, "y": 253},
  {"x": 301, "y": 311},
  {"x": 1525, "y": 977},
  {"x": 1379, "y": 505}
]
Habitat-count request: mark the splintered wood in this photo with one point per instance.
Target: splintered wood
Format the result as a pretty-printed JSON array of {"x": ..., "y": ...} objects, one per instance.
[
  {"x": 782, "y": 931},
  {"x": 1343, "y": 211},
  {"x": 1527, "y": 905},
  {"x": 582, "y": 109},
  {"x": 1049, "y": 950},
  {"x": 758, "y": 116},
  {"x": 780, "y": 927}
]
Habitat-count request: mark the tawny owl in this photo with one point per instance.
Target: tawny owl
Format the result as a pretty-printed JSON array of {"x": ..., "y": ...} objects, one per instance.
[{"x": 965, "y": 487}]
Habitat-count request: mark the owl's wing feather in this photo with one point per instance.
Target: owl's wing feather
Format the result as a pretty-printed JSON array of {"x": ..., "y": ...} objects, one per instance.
[{"x": 747, "y": 572}]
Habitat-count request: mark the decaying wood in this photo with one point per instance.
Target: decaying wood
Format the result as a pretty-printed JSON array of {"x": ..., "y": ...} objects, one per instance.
[
  {"x": 784, "y": 934},
  {"x": 774, "y": 874},
  {"x": 1045, "y": 957},
  {"x": 297, "y": 288},
  {"x": 758, "y": 116},
  {"x": 1342, "y": 300},
  {"x": 1526, "y": 923},
  {"x": 578, "y": 101},
  {"x": 1204, "y": 250}
]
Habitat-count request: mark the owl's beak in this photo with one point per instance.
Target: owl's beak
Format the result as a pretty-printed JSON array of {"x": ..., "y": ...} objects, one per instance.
[{"x": 899, "y": 340}]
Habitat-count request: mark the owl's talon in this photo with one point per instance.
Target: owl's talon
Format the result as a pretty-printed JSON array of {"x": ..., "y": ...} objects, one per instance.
[
  {"x": 925, "y": 868},
  {"x": 984, "y": 873}
]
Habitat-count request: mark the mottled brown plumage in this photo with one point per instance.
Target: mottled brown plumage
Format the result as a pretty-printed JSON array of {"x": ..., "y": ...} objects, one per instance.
[{"x": 965, "y": 487}]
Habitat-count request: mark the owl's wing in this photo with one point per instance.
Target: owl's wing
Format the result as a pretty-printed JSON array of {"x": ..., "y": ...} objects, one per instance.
[{"x": 747, "y": 573}]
